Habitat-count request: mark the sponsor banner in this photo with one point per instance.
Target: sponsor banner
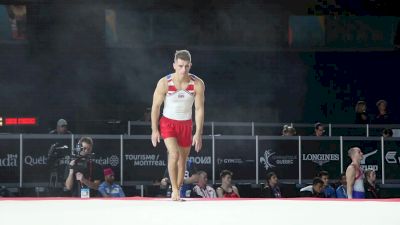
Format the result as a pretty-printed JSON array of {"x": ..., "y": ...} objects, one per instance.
[
  {"x": 279, "y": 156},
  {"x": 203, "y": 160},
  {"x": 42, "y": 165},
  {"x": 35, "y": 161},
  {"x": 392, "y": 159},
  {"x": 143, "y": 162},
  {"x": 107, "y": 153},
  {"x": 238, "y": 156},
  {"x": 9, "y": 161},
  {"x": 320, "y": 155},
  {"x": 371, "y": 155}
]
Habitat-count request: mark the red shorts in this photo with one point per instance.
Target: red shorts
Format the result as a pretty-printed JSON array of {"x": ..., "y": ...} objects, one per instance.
[{"x": 181, "y": 130}]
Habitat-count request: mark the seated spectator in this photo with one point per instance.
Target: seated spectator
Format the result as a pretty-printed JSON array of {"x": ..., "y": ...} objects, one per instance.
[
  {"x": 341, "y": 191},
  {"x": 288, "y": 130},
  {"x": 108, "y": 188},
  {"x": 387, "y": 132},
  {"x": 328, "y": 190},
  {"x": 191, "y": 177},
  {"x": 383, "y": 115},
  {"x": 372, "y": 190},
  {"x": 271, "y": 188},
  {"x": 227, "y": 190},
  {"x": 315, "y": 190},
  {"x": 361, "y": 113},
  {"x": 62, "y": 128},
  {"x": 202, "y": 189},
  {"x": 319, "y": 130}
]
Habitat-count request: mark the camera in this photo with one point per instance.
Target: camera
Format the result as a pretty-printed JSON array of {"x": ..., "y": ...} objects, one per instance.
[{"x": 81, "y": 160}]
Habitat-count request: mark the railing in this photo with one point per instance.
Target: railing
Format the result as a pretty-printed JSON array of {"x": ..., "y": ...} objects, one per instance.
[
  {"x": 257, "y": 128},
  {"x": 24, "y": 160}
]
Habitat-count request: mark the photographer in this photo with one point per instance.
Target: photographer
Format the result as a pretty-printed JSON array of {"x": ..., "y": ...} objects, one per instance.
[{"x": 84, "y": 174}]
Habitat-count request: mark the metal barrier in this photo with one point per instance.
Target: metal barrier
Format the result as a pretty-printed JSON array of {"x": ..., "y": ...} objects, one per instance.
[
  {"x": 297, "y": 159},
  {"x": 256, "y": 128}
]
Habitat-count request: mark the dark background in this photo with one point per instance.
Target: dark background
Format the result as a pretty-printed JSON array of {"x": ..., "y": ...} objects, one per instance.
[{"x": 261, "y": 60}]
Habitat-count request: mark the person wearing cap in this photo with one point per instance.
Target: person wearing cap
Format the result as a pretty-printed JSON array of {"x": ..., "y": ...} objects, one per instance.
[
  {"x": 62, "y": 127},
  {"x": 108, "y": 188}
]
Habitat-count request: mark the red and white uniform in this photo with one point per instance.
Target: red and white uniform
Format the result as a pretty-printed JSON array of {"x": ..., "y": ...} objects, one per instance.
[
  {"x": 177, "y": 114},
  {"x": 178, "y": 103}
]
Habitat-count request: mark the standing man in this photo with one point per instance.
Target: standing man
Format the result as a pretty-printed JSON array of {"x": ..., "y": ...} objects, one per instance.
[
  {"x": 355, "y": 175},
  {"x": 178, "y": 91}
]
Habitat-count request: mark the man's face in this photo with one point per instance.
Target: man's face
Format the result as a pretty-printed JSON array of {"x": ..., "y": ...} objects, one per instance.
[
  {"x": 343, "y": 180},
  {"x": 273, "y": 181},
  {"x": 86, "y": 148},
  {"x": 358, "y": 155},
  {"x": 325, "y": 179},
  {"x": 318, "y": 188},
  {"x": 62, "y": 129},
  {"x": 202, "y": 179},
  {"x": 182, "y": 67},
  {"x": 319, "y": 131},
  {"x": 109, "y": 178}
]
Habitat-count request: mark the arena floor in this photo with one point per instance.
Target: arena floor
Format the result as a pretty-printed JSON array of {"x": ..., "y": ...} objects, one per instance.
[{"x": 197, "y": 211}]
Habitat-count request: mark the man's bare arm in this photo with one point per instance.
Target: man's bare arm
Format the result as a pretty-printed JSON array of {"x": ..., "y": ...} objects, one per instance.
[
  {"x": 158, "y": 99},
  {"x": 350, "y": 176},
  {"x": 199, "y": 113}
]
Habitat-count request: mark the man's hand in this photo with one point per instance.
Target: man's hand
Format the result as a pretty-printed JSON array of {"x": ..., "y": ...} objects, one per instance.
[
  {"x": 155, "y": 137},
  {"x": 197, "y": 142}
]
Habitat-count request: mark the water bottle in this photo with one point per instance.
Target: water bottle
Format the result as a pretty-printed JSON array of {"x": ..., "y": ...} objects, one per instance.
[{"x": 169, "y": 191}]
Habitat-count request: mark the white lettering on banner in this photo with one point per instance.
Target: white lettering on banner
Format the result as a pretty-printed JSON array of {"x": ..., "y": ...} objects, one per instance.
[
  {"x": 200, "y": 159},
  {"x": 391, "y": 157},
  {"x": 321, "y": 159},
  {"x": 369, "y": 167},
  {"x": 32, "y": 161},
  {"x": 145, "y": 160},
  {"x": 113, "y": 160},
  {"x": 270, "y": 158},
  {"x": 229, "y": 161},
  {"x": 366, "y": 166},
  {"x": 9, "y": 161}
]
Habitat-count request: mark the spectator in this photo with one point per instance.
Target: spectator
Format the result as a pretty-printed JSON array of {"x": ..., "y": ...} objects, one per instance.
[
  {"x": 108, "y": 188},
  {"x": 328, "y": 190},
  {"x": 191, "y": 176},
  {"x": 341, "y": 190},
  {"x": 315, "y": 190},
  {"x": 62, "y": 128},
  {"x": 84, "y": 174},
  {"x": 227, "y": 190},
  {"x": 387, "y": 132},
  {"x": 202, "y": 189},
  {"x": 372, "y": 190},
  {"x": 288, "y": 130},
  {"x": 319, "y": 129},
  {"x": 271, "y": 189},
  {"x": 361, "y": 113},
  {"x": 383, "y": 116}
]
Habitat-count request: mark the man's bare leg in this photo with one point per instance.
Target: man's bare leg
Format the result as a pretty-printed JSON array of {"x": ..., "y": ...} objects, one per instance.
[
  {"x": 173, "y": 157},
  {"x": 183, "y": 155}
]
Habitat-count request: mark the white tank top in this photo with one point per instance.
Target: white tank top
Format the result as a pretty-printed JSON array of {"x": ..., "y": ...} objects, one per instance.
[
  {"x": 178, "y": 103},
  {"x": 359, "y": 181}
]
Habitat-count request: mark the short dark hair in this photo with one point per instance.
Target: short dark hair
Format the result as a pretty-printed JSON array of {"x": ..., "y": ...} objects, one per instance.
[
  {"x": 269, "y": 175},
  {"x": 323, "y": 173},
  {"x": 225, "y": 172},
  {"x": 317, "y": 125},
  {"x": 388, "y": 132},
  {"x": 317, "y": 180}
]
